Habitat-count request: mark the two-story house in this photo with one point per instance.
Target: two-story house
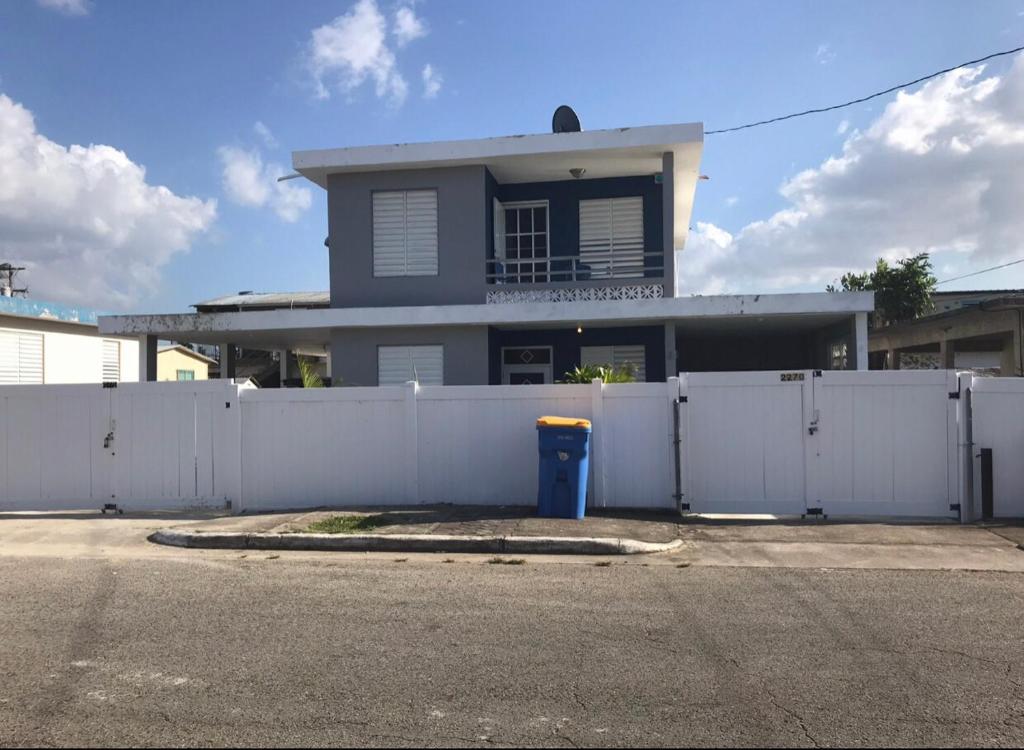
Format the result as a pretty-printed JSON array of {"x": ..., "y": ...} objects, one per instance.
[{"x": 514, "y": 259}]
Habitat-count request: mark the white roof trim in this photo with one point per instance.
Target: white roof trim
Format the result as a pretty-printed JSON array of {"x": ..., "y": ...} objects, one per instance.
[
  {"x": 221, "y": 326},
  {"x": 406, "y": 155}
]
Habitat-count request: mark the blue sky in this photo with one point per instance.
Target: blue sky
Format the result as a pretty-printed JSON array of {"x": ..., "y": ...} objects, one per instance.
[{"x": 180, "y": 86}]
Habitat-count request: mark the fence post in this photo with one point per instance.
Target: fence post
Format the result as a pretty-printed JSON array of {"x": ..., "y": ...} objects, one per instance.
[
  {"x": 412, "y": 486},
  {"x": 230, "y": 436},
  {"x": 597, "y": 448}
]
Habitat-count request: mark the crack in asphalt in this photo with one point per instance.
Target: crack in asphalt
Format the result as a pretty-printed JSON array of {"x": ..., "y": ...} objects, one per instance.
[{"x": 794, "y": 715}]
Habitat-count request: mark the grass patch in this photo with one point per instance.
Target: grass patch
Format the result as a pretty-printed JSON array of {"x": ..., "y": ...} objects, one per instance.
[
  {"x": 603, "y": 564},
  {"x": 448, "y": 560},
  {"x": 401, "y": 559},
  {"x": 683, "y": 565},
  {"x": 347, "y": 524},
  {"x": 506, "y": 561}
]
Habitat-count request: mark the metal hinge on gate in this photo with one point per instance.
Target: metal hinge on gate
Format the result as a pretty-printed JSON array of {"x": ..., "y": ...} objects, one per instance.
[
  {"x": 684, "y": 506},
  {"x": 816, "y": 374},
  {"x": 955, "y": 506},
  {"x": 819, "y": 512},
  {"x": 955, "y": 394},
  {"x": 683, "y": 400}
]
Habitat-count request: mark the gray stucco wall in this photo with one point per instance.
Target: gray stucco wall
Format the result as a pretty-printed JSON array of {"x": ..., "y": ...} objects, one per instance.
[
  {"x": 462, "y": 239},
  {"x": 354, "y": 352}
]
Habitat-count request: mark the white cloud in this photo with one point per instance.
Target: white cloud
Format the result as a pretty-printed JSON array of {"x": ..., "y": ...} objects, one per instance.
[
  {"x": 68, "y": 7},
  {"x": 249, "y": 182},
  {"x": 83, "y": 219},
  {"x": 432, "y": 81},
  {"x": 732, "y": 200},
  {"x": 843, "y": 127},
  {"x": 825, "y": 55},
  {"x": 265, "y": 135},
  {"x": 937, "y": 171},
  {"x": 408, "y": 26},
  {"x": 353, "y": 48}
]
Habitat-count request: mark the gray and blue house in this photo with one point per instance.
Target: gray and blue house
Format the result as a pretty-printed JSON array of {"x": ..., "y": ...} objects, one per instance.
[{"x": 512, "y": 260}]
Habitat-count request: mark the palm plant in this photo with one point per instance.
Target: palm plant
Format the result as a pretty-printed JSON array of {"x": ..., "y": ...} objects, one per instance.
[
  {"x": 604, "y": 373},
  {"x": 307, "y": 369}
]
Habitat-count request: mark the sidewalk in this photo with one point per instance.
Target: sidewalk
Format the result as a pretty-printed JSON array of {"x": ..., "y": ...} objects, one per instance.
[{"x": 692, "y": 540}]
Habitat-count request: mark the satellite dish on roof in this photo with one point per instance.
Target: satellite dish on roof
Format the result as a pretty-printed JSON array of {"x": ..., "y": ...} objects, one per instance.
[{"x": 565, "y": 121}]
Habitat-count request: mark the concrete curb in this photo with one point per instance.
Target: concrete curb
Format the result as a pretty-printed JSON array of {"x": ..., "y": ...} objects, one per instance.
[{"x": 547, "y": 545}]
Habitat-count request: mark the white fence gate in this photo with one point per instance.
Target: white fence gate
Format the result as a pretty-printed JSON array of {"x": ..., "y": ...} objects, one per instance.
[
  {"x": 150, "y": 445},
  {"x": 848, "y": 443},
  {"x": 997, "y": 419}
]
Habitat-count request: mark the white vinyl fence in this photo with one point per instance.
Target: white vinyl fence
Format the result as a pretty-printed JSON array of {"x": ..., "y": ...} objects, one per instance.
[
  {"x": 997, "y": 422},
  {"x": 141, "y": 445},
  {"x": 448, "y": 444},
  {"x": 845, "y": 443}
]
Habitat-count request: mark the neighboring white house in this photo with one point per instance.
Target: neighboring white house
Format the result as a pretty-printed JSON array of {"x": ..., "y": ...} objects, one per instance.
[{"x": 42, "y": 342}]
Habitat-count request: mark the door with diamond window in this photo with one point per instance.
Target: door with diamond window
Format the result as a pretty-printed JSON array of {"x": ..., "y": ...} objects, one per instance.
[{"x": 521, "y": 365}]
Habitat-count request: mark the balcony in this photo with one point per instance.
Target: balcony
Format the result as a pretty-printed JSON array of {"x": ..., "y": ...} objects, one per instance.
[{"x": 604, "y": 275}]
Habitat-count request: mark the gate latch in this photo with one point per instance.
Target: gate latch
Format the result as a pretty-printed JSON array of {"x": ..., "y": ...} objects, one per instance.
[
  {"x": 109, "y": 439},
  {"x": 813, "y": 426}
]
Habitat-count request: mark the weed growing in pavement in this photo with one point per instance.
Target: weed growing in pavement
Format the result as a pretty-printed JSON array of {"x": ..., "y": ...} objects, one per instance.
[{"x": 506, "y": 561}]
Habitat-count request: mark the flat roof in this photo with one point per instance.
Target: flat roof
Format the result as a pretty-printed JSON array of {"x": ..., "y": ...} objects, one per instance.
[
  {"x": 266, "y": 300},
  {"x": 281, "y": 328},
  {"x": 22, "y": 307},
  {"x": 544, "y": 157}
]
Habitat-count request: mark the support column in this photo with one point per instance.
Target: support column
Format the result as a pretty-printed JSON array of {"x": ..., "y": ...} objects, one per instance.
[
  {"x": 668, "y": 209},
  {"x": 671, "y": 370},
  {"x": 947, "y": 352},
  {"x": 893, "y": 358},
  {"x": 227, "y": 361},
  {"x": 282, "y": 357},
  {"x": 1009, "y": 362},
  {"x": 860, "y": 341},
  {"x": 147, "y": 358}
]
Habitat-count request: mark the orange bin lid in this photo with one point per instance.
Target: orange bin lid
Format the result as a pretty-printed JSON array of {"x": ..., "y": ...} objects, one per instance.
[{"x": 580, "y": 424}]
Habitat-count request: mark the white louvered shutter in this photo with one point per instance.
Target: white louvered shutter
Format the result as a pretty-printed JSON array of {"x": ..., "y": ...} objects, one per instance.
[
  {"x": 111, "y": 361},
  {"x": 618, "y": 357},
  {"x": 21, "y": 358},
  {"x": 405, "y": 233},
  {"x": 399, "y": 364},
  {"x": 612, "y": 237}
]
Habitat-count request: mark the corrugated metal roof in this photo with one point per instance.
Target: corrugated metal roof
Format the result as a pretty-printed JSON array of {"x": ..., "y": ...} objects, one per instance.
[
  {"x": 265, "y": 300},
  {"x": 34, "y": 308}
]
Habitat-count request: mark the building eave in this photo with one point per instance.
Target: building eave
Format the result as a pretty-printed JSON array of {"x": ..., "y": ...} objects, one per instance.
[{"x": 315, "y": 324}]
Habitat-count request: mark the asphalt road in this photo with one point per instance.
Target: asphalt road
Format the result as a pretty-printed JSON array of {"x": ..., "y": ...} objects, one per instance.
[{"x": 215, "y": 649}]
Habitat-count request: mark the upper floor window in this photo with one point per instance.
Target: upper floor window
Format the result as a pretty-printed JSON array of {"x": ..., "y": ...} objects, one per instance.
[
  {"x": 405, "y": 233},
  {"x": 612, "y": 237},
  {"x": 525, "y": 242}
]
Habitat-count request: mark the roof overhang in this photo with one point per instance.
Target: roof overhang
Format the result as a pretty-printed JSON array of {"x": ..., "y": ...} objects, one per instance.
[
  {"x": 621, "y": 152},
  {"x": 285, "y": 328}
]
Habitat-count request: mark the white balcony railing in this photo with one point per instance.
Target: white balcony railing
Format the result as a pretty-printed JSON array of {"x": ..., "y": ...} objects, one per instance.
[{"x": 589, "y": 266}]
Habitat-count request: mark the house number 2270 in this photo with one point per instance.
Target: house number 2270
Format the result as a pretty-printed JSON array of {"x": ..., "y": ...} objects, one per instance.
[{"x": 787, "y": 377}]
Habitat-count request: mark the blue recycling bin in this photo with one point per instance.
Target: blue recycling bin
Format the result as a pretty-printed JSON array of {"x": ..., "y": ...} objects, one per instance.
[{"x": 564, "y": 445}]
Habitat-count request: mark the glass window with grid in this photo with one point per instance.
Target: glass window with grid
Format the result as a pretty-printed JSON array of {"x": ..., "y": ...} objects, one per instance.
[{"x": 526, "y": 242}]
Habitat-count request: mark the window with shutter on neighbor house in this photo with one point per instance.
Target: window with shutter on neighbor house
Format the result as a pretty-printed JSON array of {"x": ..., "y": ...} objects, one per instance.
[
  {"x": 405, "y": 233},
  {"x": 111, "y": 361},
  {"x": 632, "y": 357},
  {"x": 21, "y": 358},
  {"x": 400, "y": 364},
  {"x": 612, "y": 237}
]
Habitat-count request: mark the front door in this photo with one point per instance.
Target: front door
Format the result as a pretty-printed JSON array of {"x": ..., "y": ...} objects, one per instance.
[{"x": 522, "y": 365}]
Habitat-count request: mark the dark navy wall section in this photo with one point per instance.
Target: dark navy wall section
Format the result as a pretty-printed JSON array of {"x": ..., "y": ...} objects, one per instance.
[
  {"x": 564, "y": 207},
  {"x": 566, "y": 345}
]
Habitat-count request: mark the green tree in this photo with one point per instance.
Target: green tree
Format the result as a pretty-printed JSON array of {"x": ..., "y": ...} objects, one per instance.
[{"x": 902, "y": 291}]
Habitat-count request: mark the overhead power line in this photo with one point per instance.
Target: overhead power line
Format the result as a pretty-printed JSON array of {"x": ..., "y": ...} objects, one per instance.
[
  {"x": 984, "y": 270},
  {"x": 866, "y": 98}
]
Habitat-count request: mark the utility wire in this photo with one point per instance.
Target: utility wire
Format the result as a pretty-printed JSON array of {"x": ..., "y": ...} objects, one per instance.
[
  {"x": 866, "y": 98},
  {"x": 984, "y": 270}
]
